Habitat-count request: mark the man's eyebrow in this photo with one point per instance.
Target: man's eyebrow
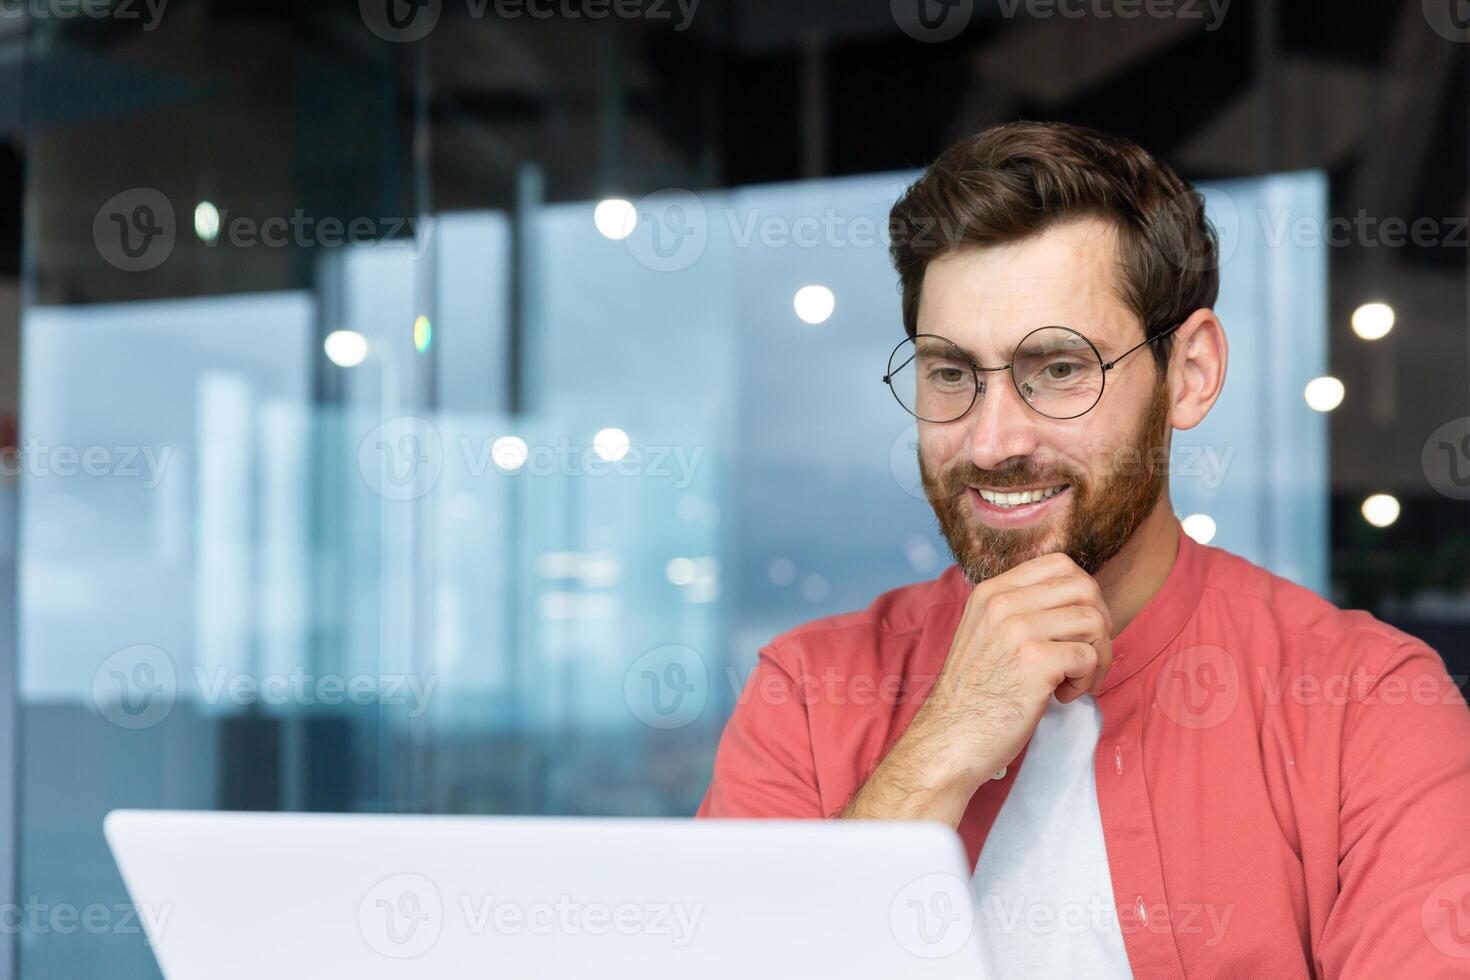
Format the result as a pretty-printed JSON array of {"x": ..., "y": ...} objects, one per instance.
[
  {"x": 930, "y": 344},
  {"x": 1104, "y": 347},
  {"x": 934, "y": 344}
]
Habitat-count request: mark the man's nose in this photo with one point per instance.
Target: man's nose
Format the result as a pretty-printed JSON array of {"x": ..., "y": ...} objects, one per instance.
[{"x": 1003, "y": 427}]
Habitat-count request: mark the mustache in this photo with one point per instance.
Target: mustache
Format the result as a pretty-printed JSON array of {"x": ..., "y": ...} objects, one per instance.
[{"x": 962, "y": 476}]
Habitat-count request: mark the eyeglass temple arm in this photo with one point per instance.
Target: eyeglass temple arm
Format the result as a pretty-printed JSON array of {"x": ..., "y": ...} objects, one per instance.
[{"x": 1158, "y": 336}]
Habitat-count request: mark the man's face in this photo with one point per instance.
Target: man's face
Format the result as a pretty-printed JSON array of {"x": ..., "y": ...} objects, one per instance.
[{"x": 1110, "y": 464}]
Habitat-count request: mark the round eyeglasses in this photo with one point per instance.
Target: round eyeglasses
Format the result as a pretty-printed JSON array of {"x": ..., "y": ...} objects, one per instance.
[{"x": 1056, "y": 370}]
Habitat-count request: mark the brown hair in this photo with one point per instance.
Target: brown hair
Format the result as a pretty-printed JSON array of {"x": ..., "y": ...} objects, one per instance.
[{"x": 1016, "y": 180}]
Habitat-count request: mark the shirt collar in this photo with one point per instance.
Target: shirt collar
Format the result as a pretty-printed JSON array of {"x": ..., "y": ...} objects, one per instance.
[
  {"x": 1148, "y": 633},
  {"x": 1161, "y": 619}
]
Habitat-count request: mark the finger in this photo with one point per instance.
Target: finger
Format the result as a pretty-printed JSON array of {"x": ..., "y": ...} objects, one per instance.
[
  {"x": 1073, "y": 688},
  {"x": 1034, "y": 599},
  {"x": 1084, "y": 588},
  {"x": 1082, "y": 670},
  {"x": 1084, "y": 622},
  {"x": 1055, "y": 564},
  {"x": 1076, "y": 631},
  {"x": 1067, "y": 692}
]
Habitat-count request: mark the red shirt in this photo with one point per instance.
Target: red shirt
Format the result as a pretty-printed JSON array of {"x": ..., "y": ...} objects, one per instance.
[{"x": 1264, "y": 756}]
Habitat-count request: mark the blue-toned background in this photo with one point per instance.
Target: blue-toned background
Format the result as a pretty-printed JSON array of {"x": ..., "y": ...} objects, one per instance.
[{"x": 540, "y": 629}]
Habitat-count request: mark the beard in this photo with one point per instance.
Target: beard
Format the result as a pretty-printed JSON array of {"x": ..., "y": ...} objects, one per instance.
[{"x": 1104, "y": 512}]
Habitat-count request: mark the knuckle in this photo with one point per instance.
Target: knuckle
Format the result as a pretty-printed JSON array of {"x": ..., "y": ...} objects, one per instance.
[
  {"x": 998, "y": 608},
  {"x": 1030, "y": 650},
  {"x": 1013, "y": 630},
  {"x": 1060, "y": 563}
]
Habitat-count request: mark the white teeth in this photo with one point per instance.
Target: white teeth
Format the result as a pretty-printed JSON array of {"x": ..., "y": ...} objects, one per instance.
[{"x": 1016, "y": 499}]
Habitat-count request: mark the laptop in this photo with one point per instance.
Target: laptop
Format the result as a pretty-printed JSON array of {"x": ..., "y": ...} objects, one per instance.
[{"x": 278, "y": 896}]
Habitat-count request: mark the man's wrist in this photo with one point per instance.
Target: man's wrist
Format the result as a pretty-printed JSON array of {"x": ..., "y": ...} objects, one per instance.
[
  {"x": 944, "y": 784},
  {"x": 947, "y": 765},
  {"x": 917, "y": 781}
]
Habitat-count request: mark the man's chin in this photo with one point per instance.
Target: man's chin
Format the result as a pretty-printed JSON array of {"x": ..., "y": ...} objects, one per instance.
[{"x": 995, "y": 551}]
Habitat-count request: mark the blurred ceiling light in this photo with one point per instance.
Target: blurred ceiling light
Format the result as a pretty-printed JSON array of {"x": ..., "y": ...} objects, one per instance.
[
  {"x": 595, "y": 569},
  {"x": 681, "y": 571},
  {"x": 702, "y": 590},
  {"x": 692, "y": 507},
  {"x": 578, "y": 605},
  {"x": 782, "y": 572},
  {"x": 1381, "y": 509},
  {"x": 600, "y": 570},
  {"x": 611, "y": 444},
  {"x": 698, "y": 577},
  {"x": 920, "y": 553},
  {"x": 1373, "y": 321},
  {"x": 1201, "y": 527},
  {"x": 815, "y": 304},
  {"x": 559, "y": 564},
  {"x": 1324, "y": 394},
  {"x": 615, "y": 218},
  {"x": 509, "y": 452},
  {"x": 423, "y": 334},
  {"x": 206, "y": 221},
  {"x": 346, "y": 348}
]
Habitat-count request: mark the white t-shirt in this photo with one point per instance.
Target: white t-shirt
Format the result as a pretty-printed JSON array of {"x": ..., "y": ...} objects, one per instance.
[{"x": 1044, "y": 904}]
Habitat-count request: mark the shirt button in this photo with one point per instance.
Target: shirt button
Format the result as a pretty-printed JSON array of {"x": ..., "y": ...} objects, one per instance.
[
  {"x": 1118, "y": 758},
  {"x": 1000, "y": 773},
  {"x": 1142, "y": 912}
]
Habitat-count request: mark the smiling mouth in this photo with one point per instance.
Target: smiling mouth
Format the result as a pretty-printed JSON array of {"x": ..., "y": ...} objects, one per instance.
[{"x": 1006, "y": 499}]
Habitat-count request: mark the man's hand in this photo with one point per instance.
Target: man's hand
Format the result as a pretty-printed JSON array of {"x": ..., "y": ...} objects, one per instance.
[{"x": 1038, "y": 631}]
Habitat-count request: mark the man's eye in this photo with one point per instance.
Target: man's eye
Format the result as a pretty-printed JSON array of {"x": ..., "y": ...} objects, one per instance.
[
  {"x": 1060, "y": 370},
  {"x": 948, "y": 375}
]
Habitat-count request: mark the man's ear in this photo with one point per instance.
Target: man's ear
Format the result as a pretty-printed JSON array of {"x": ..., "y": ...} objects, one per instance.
[{"x": 1197, "y": 363}]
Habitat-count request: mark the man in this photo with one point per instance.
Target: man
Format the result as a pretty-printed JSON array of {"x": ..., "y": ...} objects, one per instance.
[{"x": 1162, "y": 759}]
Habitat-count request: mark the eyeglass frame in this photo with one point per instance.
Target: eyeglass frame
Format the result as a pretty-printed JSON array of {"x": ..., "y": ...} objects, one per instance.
[{"x": 977, "y": 370}]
